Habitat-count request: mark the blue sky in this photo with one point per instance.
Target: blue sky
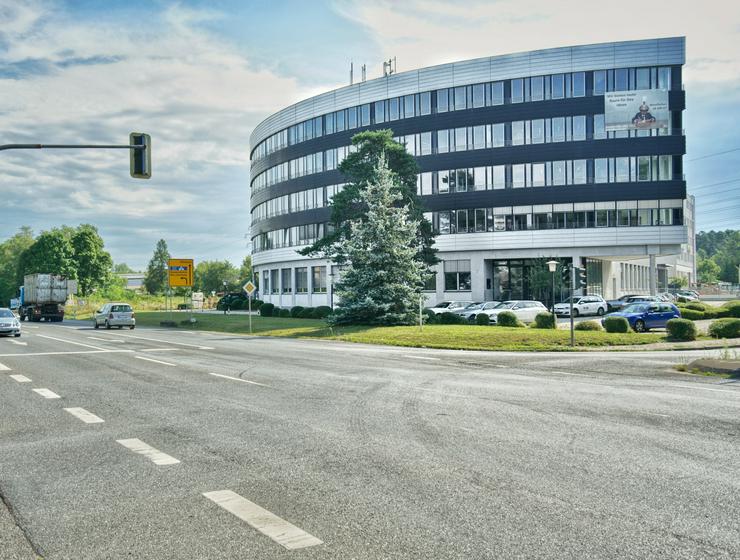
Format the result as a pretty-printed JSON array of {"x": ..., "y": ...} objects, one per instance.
[{"x": 198, "y": 76}]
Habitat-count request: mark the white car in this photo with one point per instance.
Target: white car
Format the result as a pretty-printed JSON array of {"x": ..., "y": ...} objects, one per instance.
[
  {"x": 582, "y": 305},
  {"x": 471, "y": 311},
  {"x": 9, "y": 323},
  {"x": 114, "y": 315},
  {"x": 525, "y": 310},
  {"x": 449, "y": 307}
]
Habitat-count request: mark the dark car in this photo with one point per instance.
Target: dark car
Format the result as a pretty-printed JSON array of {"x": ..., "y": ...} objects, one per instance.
[
  {"x": 619, "y": 303},
  {"x": 233, "y": 300},
  {"x": 649, "y": 315}
]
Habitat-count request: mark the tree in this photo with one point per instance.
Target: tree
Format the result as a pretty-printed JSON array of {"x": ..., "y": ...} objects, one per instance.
[
  {"x": 245, "y": 272},
  {"x": 678, "y": 282},
  {"x": 122, "y": 268},
  {"x": 383, "y": 279},
  {"x": 155, "y": 280},
  {"x": 10, "y": 253},
  {"x": 51, "y": 253},
  {"x": 93, "y": 263},
  {"x": 724, "y": 249},
  {"x": 707, "y": 271},
  {"x": 210, "y": 276},
  {"x": 349, "y": 205}
]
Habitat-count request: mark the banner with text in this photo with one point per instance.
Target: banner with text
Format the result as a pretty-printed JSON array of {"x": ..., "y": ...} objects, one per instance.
[{"x": 636, "y": 110}]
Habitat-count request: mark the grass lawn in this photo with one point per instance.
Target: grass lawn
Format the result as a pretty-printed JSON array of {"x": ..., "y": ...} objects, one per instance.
[{"x": 463, "y": 337}]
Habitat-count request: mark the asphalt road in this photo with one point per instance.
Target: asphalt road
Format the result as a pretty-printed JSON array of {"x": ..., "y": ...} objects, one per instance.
[{"x": 197, "y": 445}]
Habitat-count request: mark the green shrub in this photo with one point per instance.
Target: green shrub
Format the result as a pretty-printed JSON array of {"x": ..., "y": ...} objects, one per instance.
[
  {"x": 482, "y": 319},
  {"x": 711, "y": 312},
  {"x": 267, "y": 310},
  {"x": 508, "y": 319},
  {"x": 448, "y": 318},
  {"x": 725, "y": 328},
  {"x": 182, "y": 306},
  {"x": 681, "y": 329},
  {"x": 697, "y": 305},
  {"x": 306, "y": 313},
  {"x": 691, "y": 314},
  {"x": 237, "y": 304},
  {"x": 544, "y": 320},
  {"x": 616, "y": 325},
  {"x": 295, "y": 311},
  {"x": 282, "y": 312},
  {"x": 321, "y": 312},
  {"x": 732, "y": 308},
  {"x": 681, "y": 299},
  {"x": 256, "y": 304},
  {"x": 588, "y": 326}
]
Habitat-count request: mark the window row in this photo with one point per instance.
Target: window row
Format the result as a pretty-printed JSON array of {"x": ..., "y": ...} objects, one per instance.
[
  {"x": 319, "y": 197},
  {"x": 289, "y": 237},
  {"x": 517, "y": 90},
  {"x": 285, "y": 280}
]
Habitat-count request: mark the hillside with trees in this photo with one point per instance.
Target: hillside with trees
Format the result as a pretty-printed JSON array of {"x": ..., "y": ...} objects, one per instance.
[{"x": 718, "y": 256}]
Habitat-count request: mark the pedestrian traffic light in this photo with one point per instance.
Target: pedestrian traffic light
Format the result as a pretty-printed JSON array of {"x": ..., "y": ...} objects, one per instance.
[
  {"x": 141, "y": 158},
  {"x": 580, "y": 278},
  {"x": 565, "y": 274}
]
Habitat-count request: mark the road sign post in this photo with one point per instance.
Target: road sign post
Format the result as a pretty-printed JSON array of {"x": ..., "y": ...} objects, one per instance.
[{"x": 249, "y": 287}]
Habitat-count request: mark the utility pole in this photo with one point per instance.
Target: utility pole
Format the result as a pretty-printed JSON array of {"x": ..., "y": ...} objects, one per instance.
[{"x": 572, "y": 291}]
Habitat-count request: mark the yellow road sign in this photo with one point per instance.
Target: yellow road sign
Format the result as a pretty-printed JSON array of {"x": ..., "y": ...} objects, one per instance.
[
  {"x": 180, "y": 272},
  {"x": 249, "y": 288}
]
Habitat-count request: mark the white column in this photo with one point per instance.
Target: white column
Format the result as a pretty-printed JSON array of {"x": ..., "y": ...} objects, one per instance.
[{"x": 652, "y": 270}]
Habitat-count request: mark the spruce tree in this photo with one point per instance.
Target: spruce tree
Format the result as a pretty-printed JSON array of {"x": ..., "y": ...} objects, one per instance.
[{"x": 155, "y": 280}]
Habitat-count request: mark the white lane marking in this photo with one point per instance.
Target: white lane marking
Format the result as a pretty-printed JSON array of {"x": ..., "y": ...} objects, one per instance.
[
  {"x": 569, "y": 373},
  {"x": 84, "y": 415},
  {"x": 30, "y": 327},
  {"x": 156, "y": 456},
  {"x": 656, "y": 414},
  {"x": 282, "y": 532},
  {"x": 71, "y": 342},
  {"x": 3, "y": 367},
  {"x": 239, "y": 379},
  {"x": 20, "y": 378},
  {"x": 161, "y": 350},
  {"x": 19, "y": 343},
  {"x": 153, "y": 360},
  {"x": 731, "y": 391},
  {"x": 68, "y": 352},
  {"x": 106, "y": 339},
  {"x": 421, "y": 357},
  {"x": 199, "y": 347},
  {"x": 500, "y": 366},
  {"x": 47, "y": 394}
]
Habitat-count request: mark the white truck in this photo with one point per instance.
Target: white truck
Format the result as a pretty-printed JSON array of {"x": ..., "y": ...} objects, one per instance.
[{"x": 43, "y": 297}]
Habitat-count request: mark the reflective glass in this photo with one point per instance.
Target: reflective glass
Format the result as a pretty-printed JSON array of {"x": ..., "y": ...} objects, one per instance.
[
  {"x": 479, "y": 95},
  {"x": 600, "y": 170},
  {"x": 365, "y": 114},
  {"x": 579, "y": 172},
  {"x": 579, "y": 84},
  {"x": 558, "y": 172},
  {"x": 379, "y": 111},
  {"x": 623, "y": 169},
  {"x": 393, "y": 109},
  {"x": 579, "y": 127},
  {"x": 538, "y": 88},
  {"x": 461, "y": 139},
  {"x": 498, "y": 176},
  {"x": 643, "y": 78},
  {"x": 339, "y": 119},
  {"x": 620, "y": 79},
  {"x": 538, "y": 174},
  {"x": 558, "y": 129},
  {"x": 352, "y": 117},
  {"x": 425, "y": 103},
  {"x": 498, "y": 137},
  {"x": 408, "y": 106},
  {"x": 497, "y": 93},
  {"x": 442, "y": 141},
  {"x": 479, "y": 137},
  {"x": 558, "y": 86},
  {"x": 442, "y": 101},
  {"x": 517, "y": 176},
  {"x": 643, "y": 168},
  {"x": 664, "y": 77},
  {"x": 599, "y": 127},
  {"x": 538, "y": 131},
  {"x": 517, "y": 133},
  {"x": 459, "y": 98},
  {"x": 665, "y": 168},
  {"x": 517, "y": 90},
  {"x": 426, "y": 143}
]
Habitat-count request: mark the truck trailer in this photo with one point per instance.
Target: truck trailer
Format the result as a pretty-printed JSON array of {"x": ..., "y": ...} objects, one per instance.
[{"x": 43, "y": 297}]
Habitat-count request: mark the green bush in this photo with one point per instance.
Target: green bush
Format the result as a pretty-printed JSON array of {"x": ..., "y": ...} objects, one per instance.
[
  {"x": 588, "y": 326},
  {"x": 482, "y": 319},
  {"x": 544, "y": 320},
  {"x": 448, "y": 318},
  {"x": 681, "y": 329},
  {"x": 616, "y": 325},
  {"x": 508, "y": 319},
  {"x": 237, "y": 304},
  {"x": 306, "y": 313},
  {"x": 267, "y": 310},
  {"x": 321, "y": 312},
  {"x": 697, "y": 305},
  {"x": 691, "y": 314},
  {"x": 182, "y": 306},
  {"x": 284, "y": 313},
  {"x": 430, "y": 317},
  {"x": 732, "y": 308},
  {"x": 681, "y": 299},
  {"x": 295, "y": 311},
  {"x": 711, "y": 312},
  {"x": 256, "y": 304},
  {"x": 725, "y": 328}
]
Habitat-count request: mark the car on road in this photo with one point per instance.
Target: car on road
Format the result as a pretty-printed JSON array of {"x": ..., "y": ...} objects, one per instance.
[
  {"x": 114, "y": 315},
  {"x": 690, "y": 295},
  {"x": 9, "y": 323},
  {"x": 449, "y": 306},
  {"x": 648, "y": 315},
  {"x": 619, "y": 303},
  {"x": 525, "y": 310},
  {"x": 582, "y": 305},
  {"x": 471, "y": 311}
]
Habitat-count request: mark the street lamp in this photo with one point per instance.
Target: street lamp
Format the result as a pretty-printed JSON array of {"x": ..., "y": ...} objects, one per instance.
[{"x": 552, "y": 266}]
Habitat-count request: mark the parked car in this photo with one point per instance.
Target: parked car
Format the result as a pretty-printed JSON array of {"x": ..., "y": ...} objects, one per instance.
[
  {"x": 690, "y": 295},
  {"x": 9, "y": 323},
  {"x": 619, "y": 303},
  {"x": 640, "y": 299},
  {"x": 115, "y": 315},
  {"x": 666, "y": 296},
  {"x": 649, "y": 315},
  {"x": 471, "y": 311},
  {"x": 231, "y": 300},
  {"x": 525, "y": 310},
  {"x": 449, "y": 306},
  {"x": 582, "y": 305}
]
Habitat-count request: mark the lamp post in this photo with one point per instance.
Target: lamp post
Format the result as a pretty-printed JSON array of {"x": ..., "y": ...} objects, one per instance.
[{"x": 552, "y": 266}]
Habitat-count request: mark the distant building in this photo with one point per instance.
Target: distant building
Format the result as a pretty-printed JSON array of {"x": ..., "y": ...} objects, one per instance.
[
  {"x": 572, "y": 153},
  {"x": 134, "y": 280}
]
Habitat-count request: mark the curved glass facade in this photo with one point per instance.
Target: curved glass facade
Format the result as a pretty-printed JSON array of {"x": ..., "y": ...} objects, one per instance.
[{"x": 522, "y": 154}]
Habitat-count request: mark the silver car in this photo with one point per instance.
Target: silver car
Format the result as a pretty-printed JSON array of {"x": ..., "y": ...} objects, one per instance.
[
  {"x": 9, "y": 323},
  {"x": 471, "y": 311},
  {"x": 525, "y": 310},
  {"x": 114, "y": 315}
]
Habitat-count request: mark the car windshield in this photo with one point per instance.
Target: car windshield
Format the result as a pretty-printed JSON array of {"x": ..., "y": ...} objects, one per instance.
[
  {"x": 473, "y": 306},
  {"x": 636, "y": 308},
  {"x": 443, "y": 304},
  {"x": 6, "y": 313},
  {"x": 505, "y": 305},
  {"x": 457, "y": 305},
  {"x": 573, "y": 299}
]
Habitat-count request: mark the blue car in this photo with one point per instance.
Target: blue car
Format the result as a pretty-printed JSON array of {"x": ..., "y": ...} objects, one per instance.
[{"x": 645, "y": 316}]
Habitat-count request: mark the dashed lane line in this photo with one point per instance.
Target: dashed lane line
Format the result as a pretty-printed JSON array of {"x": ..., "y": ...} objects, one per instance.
[
  {"x": 198, "y": 346},
  {"x": 3, "y": 367},
  {"x": 153, "y": 360},
  {"x": 20, "y": 378},
  {"x": 239, "y": 379},
  {"x": 19, "y": 343},
  {"x": 282, "y": 532},
  {"x": 105, "y": 339},
  {"x": 84, "y": 415},
  {"x": 71, "y": 342},
  {"x": 421, "y": 357},
  {"x": 154, "y": 455},
  {"x": 47, "y": 394},
  {"x": 64, "y": 353}
]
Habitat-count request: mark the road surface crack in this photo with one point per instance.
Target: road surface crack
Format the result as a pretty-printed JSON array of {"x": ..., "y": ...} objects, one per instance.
[{"x": 18, "y": 521}]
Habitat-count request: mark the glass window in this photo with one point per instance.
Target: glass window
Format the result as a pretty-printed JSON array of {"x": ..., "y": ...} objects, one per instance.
[
  {"x": 339, "y": 119},
  {"x": 365, "y": 115},
  {"x": 480, "y": 219},
  {"x": 543, "y": 221},
  {"x": 459, "y": 98},
  {"x": 352, "y": 117},
  {"x": 444, "y": 223},
  {"x": 426, "y": 143},
  {"x": 579, "y": 84},
  {"x": 442, "y": 100},
  {"x": 558, "y": 86},
  {"x": 479, "y": 178},
  {"x": 329, "y": 122},
  {"x": 517, "y": 133},
  {"x": 558, "y": 172},
  {"x": 479, "y": 95},
  {"x": 579, "y": 127},
  {"x": 538, "y": 88},
  {"x": 538, "y": 131},
  {"x": 457, "y": 275},
  {"x": 479, "y": 137},
  {"x": 558, "y": 129},
  {"x": 497, "y": 93},
  {"x": 461, "y": 180},
  {"x": 601, "y": 170},
  {"x": 462, "y": 221},
  {"x": 599, "y": 127},
  {"x": 393, "y": 111},
  {"x": 644, "y": 217},
  {"x": 426, "y": 183},
  {"x": 620, "y": 79},
  {"x": 318, "y": 274},
  {"x": 643, "y": 78},
  {"x": 425, "y": 103},
  {"x": 665, "y": 168},
  {"x": 498, "y": 138},
  {"x": 498, "y": 176},
  {"x": 517, "y": 90},
  {"x": 408, "y": 106},
  {"x": 538, "y": 174},
  {"x": 643, "y": 168},
  {"x": 579, "y": 172},
  {"x": 274, "y": 278},
  {"x": 379, "y": 111},
  {"x": 517, "y": 176},
  {"x": 623, "y": 169},
  {"x": 664, "y": 77},
  {"x": 301, "y": 280},
  {"x": 442, "y": 141},
  {"x": 443, "y": 181},
  {"x": 461, "y": 139}
]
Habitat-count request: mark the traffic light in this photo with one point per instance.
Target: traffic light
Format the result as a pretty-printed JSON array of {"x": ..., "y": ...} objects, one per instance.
[
  {"x": 141, "y": 158},
  {"x": 580, "y": 280},
  {"x": 565, "y": 274}
]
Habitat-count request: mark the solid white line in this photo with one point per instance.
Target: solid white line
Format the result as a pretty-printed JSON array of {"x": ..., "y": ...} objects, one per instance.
[
  {"x": 421, "y": 357},
  {"x": 156, "y": 456},
  {"x": 84, "y": 415},
  {"x": 20, "y": 378},
  {"x": 161, "y": 350},
  {"x": 63, "y": 353},
  {"x": 731, "y": 391},
  {"x": 47, "y": 394},
  {"x": 568, "y": 373},
  {"x": 71, "y": 342},
  {"x": 153, "y": 360},
  {"x": 239, "y": 379},
  {"x": 166, "y": 341},
  {"x": 282, "y": 532},
  {"x": 106, "y": 339},
  {"x": 3, "y": 367}
]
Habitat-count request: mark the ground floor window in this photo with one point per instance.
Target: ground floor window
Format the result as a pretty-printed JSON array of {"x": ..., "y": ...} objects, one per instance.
[
  {"x": 287, "y": 281},
  {"x": 594, "y": 277},
  {"x": 301, "y": 280},
  {"x": 457, "y": 276},
  {"x": 274, "y": 282},
  {"x": 318, "y": 274}
]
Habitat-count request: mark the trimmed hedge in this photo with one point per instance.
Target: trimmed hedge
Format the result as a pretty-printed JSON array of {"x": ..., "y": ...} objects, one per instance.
[
  {"x": 321, "y": 312},
  {"x": 725, "y": 328},
  {"x": 284, "y": 313},
  {"x": 306, "y": 313},
  {"x": 732, "y": 308},
  {"x": 448, "y": 318},
  {"x": 588, "y": 326},
  {"x": 295, "y": 311},
  {"x": 697, "y": 305},
  {"x": 616, "y": 325},
  {"x": 691, "y": 314},
  {"x": 544, "y": 320},
  {"x": 681, "y": 329},
  {"x": 508, "y": 319},
  {"x": 430, "y": 317},
  {"x": 482, "y": 319},
  {"x": 267, "y": 309}
]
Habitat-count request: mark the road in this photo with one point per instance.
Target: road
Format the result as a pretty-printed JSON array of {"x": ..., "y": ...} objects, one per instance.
[{"x": 165, "y": 444}]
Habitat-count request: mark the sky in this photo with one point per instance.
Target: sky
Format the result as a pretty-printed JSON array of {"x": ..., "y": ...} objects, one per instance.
[{"x": 198, "y": 76}]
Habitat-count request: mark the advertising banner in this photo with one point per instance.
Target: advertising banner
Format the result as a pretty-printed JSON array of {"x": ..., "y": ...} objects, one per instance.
[
  {"x": 636, "y": 110},
  {"x": 180, "y": 272}
]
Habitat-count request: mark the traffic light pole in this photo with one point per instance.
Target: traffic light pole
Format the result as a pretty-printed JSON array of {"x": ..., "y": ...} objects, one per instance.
[
  {"x": 68, "y": 146},
  {"x": 572, "y": 292}
]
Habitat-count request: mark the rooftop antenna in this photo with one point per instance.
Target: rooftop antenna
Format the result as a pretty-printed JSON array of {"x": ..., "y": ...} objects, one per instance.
[
  {"x": 389, "y": 67},
  {"x": 351, "y": 73},
  {"x": 364, "y": 72}
]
